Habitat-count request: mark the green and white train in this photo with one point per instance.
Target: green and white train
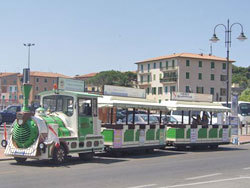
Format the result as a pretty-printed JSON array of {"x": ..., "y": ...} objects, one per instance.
[{"x": 71, "y": 122}]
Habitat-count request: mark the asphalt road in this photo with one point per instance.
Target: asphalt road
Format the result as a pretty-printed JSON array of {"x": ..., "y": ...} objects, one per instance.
[{"x": 228, "y": 166}]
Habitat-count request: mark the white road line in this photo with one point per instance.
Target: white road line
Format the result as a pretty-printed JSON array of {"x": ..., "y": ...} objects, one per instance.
[
  {"x": 247, "y": 168},
  {"x": 141, "y": 186},
  {"x": 205, "y": 176},
  {"x": 206, "y": 182}
]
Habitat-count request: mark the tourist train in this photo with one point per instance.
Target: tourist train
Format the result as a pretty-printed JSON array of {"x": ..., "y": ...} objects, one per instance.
[{"x": 71, "y": 121}]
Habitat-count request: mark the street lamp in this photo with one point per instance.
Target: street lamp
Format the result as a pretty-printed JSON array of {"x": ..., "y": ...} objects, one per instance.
[
  {"x": 228, "y": 30},
  {"x": 29, "y": 45}
]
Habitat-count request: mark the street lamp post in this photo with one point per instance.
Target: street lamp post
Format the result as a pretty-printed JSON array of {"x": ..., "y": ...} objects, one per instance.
[
  {"x": 228, "y": 30},
  {"x": 29, "y": 45}
]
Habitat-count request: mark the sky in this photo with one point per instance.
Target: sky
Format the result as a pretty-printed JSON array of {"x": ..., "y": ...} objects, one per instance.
[{"x": 76, "y": 37}]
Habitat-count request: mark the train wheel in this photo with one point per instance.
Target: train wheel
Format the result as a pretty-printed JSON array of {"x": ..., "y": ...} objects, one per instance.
[
  {"x": 59, "y": 155},
  {"x": 86, "y": 156},
  {"x": 20, "y": 160}
]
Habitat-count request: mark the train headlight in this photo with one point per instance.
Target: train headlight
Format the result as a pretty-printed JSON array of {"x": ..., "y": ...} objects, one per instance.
[
  {"x": 4, "y": 143},
  {"x": 20, "y": 121},
  {"x": 42, "y": 147}
]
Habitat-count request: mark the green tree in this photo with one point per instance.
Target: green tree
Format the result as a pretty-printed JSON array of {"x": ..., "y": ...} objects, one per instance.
[
  {"x": 245, "y": 95},
  {"x": 113, "y": 78},
  {"x": 241, "y": 76}
]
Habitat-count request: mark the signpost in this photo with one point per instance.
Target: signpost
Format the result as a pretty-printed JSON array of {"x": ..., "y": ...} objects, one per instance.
[{"x": 71, "y": 84}]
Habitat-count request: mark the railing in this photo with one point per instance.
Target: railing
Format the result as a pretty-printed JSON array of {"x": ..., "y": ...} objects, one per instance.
[
  {"x": 169, "y": 68},
  {"x": 169, "y": 79}
]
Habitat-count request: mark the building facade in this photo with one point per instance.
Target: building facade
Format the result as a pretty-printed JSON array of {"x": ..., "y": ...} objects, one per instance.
[
  {"x": 88, "y": 87},
  {"x": 184, "y": 72},
  {"x": 40, "y": 81},
  {"x": 8, "y": 89}
]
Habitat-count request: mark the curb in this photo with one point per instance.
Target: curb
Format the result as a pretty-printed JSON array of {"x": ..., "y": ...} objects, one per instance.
[
  {"x": 6, "y": 159},
  {"x": 247, "y": 142}
]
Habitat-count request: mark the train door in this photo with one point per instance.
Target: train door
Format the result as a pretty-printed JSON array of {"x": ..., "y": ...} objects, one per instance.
[{"x": 85, "y": 117}]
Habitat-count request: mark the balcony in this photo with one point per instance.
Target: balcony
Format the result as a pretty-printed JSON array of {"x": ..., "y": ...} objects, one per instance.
[
  {"x": 169, "y": 80},
  {"x": 143, "y": 72},
  {"x": 145, "y": 83},
  {"x": 170, "y": 68}
]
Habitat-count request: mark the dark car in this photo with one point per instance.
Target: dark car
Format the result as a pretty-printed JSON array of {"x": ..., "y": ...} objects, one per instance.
[{"x": 8, "y": 115}]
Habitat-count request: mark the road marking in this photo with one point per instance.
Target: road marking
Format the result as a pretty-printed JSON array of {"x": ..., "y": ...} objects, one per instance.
[
  {"x": 141, "y": 186},
  {"x": 7, "y": 172},
  {"x": 206, "y": 182},
  {"x": 205, "y": 176}
]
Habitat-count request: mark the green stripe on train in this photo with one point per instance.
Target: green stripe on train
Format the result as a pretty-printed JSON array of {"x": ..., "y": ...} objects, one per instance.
[
  {"x": 129, "y": 135},
  {"x": 202, "y": 133},
  {"x": 175, "y": 133},
  {"x": 150, "y": 135},
  {"x": 108, "y": 135}
]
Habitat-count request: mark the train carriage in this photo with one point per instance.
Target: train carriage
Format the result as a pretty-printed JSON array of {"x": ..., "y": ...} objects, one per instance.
[
  {"x": 129, "y": 123},
  {"x": 204, "y": 125}
]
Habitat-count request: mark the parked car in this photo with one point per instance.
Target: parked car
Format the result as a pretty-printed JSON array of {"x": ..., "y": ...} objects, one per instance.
[
  {"x": 141, "y": 119},
  {"x": 166, "y": 119},
  {"x": 8, "y": 114}
]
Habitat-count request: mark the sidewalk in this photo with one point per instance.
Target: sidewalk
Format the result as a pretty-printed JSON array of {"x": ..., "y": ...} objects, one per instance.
[
  {"x": 2, "y": 156},
  {"x": 244, "y": 139}
]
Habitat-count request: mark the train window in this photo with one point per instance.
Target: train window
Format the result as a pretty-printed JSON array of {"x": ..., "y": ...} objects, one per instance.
[
  {"x": 85, "y": 107},
  {"x": 59, "y": 103}
]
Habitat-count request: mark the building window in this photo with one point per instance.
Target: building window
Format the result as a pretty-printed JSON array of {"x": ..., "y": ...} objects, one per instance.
[
  {"x": 166, "y": 89},
  {"x": 212, "y": 91},
  {"x": 224, "y": 66},
  {"x": 154, "y": 90},
  {"x": 148, "y": 78},
  {"x": 4, "y": 81},
  {"x": 159, "y": 90},
  {"x": 159, "y": 100},
  {"x": 212, "y": 77},
  {"x": 154, "y": 65},
  {"x": 141, "y": 79},
  {"x": 200, "y": 63},
  {"x": 199, "y": 89},
  {"x": 223, "y": 77},
  {"x": 160, "y": 64},
  {"x": 154, "y": 76},
  {"x": 172, "y": 88},
  {"x": 166, "y": 64},
  {"x": 142, "y": 68},
  {"x": 14, "y": 82},
  {"x": 37, "y": 79},
  {"x": 37, "y": 88},
  {"x": 148, "y": 90},
  {"x": 173, "y": 63},
  {"x": 160, "y": 76},
  {"x": 212, "y": 65},
  {"x": 187, "y": 75},
  {"x": 187, "y": 63},
  {"x": 45, "y": 80},
  {"x": 148, "y": 67},
  {"x": 200, "y": 76},
  {"x": 223, "y": 91},
  {"x": 45, "y": 89},
  {"x": 188, "y": 89}
]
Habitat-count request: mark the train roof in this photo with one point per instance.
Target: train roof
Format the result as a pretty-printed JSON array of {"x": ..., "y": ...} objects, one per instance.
[
  {"x": 69, "y": 93},
  {"x": 130, "y": 102},
  {"x": 195, "y": 106}
]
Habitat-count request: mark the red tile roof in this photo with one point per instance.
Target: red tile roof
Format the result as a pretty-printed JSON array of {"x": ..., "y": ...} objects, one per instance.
[
  {"x": 46, "y": 74},
  {"x": 187, "y": 55},
  {"x": 86, "y": 75},
  {"x": 4, "y": 74}
]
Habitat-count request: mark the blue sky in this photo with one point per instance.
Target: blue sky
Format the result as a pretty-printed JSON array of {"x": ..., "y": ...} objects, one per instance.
[{"x": 77, "y": 37}]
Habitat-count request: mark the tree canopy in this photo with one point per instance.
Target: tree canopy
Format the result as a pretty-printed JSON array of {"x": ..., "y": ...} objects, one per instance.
[
  {"x": 114, "y": 78},
  {"x": 241, "y": 76},
  {"x": 245, "y": 95}
]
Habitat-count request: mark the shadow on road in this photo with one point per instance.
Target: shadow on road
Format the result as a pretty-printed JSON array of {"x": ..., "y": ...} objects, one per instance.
[{"x": 70, "y": 162}]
